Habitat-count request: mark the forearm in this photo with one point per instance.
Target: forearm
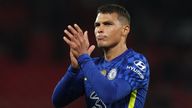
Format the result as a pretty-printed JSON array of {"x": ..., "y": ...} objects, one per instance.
[
  {"x": 67, "y": 89},
  {"x": 119, "y": 88}
]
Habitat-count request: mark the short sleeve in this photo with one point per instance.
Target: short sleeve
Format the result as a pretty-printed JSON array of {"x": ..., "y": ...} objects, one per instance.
[{"x": 135, "y": 71}]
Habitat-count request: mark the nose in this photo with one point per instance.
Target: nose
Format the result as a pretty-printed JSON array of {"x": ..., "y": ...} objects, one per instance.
[{"x": 100, "y": 29}]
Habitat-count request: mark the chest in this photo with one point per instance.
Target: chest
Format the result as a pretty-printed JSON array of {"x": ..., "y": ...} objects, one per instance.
[{"x": 110, "y": 71}]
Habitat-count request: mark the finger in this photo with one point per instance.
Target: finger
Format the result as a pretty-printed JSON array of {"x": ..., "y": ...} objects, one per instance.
[
  {"x": 71, "y": 37},
  {"x": 78, "y": 29},
  {"x": 68, "y": 34},
  {"x": 86, "y": 38},
  {"x": 72, "y": 30},
  {"x": 76, "y": 35},
  {"x": 67, "y": 40},
  {"x": 70, "y": 43},
  {"x": 91, "y": 48},
  {"x": 74, "y": 61},
  {"x": 72, "y": 56},
  {"x": 74, "y": 52},
  {"x": 80, "y": 33}
]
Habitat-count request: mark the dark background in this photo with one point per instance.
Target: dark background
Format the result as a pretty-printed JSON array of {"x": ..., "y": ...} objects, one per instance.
[{"x": 33, "y": 56}]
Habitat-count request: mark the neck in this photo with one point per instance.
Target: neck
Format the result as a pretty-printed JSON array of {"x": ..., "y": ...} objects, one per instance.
[{"x": 114, "y": 52}]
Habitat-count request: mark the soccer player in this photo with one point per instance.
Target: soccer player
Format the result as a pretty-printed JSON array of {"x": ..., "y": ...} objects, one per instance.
[{"x": 119, "y": 79}]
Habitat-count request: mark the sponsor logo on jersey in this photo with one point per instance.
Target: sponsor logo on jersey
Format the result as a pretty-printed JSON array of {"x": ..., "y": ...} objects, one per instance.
[
  {"x": 137, "y": 71},
  {"x": 140, "y": 65},
  {"x": 98, "y": 102},
  {"x": 112, "y": 74}
]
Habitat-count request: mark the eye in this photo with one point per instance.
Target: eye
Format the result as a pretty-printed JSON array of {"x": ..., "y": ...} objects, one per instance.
[
  {"x": 96, "y": 24},
  {"x": 108, "y": 23}
]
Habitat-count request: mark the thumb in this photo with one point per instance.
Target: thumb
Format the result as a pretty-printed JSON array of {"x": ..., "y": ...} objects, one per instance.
[
  {"x": 91, "y": 48},
  {"x": 72, "y": 57}
]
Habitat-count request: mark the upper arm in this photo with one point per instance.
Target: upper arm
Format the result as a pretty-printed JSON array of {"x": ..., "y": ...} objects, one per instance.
[{"x": 136, "y": 72}]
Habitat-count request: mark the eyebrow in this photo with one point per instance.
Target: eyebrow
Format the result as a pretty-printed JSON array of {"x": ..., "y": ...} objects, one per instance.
[{"x": 104, "y": 22}]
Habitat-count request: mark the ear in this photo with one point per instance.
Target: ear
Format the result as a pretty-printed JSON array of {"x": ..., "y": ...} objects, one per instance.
[{"x": 126, "y": 30}]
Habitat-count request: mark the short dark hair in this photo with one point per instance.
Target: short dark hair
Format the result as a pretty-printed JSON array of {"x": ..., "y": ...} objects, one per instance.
[{"x": 115, "y": 8}]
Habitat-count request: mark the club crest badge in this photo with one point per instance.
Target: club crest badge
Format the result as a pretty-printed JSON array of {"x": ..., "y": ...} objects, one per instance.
[{"x": 112, "y": 74}]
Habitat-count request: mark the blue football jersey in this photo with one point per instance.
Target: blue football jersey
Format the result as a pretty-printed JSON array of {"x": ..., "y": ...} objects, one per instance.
[{"x": 119, "y": 83}]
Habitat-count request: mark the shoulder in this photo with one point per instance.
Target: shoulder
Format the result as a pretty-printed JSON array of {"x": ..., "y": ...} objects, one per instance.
[
  {"x": 136, "y": 57},
  {"x": 137, "y": 63}
]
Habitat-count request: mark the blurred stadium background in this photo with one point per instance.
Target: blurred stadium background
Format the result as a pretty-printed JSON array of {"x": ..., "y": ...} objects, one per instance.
[{"x": 33, "y": 56}]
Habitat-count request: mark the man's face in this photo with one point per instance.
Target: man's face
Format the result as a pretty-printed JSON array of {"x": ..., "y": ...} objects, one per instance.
[{"x": 108, "y": 30}]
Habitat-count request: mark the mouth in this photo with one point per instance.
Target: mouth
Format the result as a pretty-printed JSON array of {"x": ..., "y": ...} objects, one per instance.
[{"x": 100, "y": 37}]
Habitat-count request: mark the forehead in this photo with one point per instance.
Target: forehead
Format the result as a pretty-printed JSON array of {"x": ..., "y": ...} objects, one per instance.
[{"x": 102, "y": 17}]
